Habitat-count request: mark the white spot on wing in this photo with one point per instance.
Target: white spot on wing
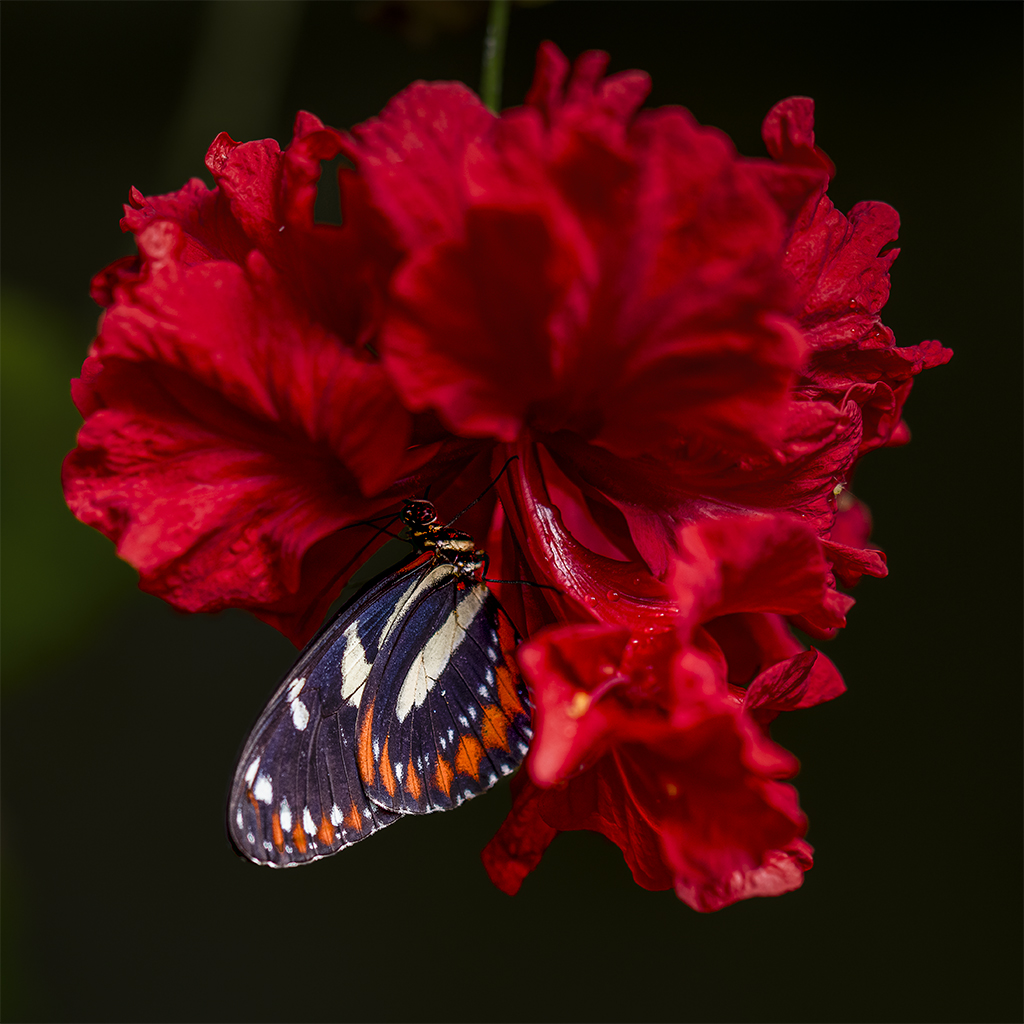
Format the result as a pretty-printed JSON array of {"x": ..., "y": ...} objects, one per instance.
[
  {"x": 336, "y": 814},
  {"x": 238, "y": 817},
  {"x": 295, "y": 688},
  {"x": 286, "y": 816},
  {"x": 438, "y": 650},
  {"x": 354, "y": 666},
  {"x": 398, "y": 770},
  {"x": 250, "y": 772},
  {"x": 263, "y": 790},
  {"x": 307, "y": 822},
  {"x": 427, "y": 582},
  {"x": 300, "y": 715}
]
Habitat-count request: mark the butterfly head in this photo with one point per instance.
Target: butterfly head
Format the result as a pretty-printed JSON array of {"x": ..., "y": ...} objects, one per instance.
[
  {"x": 419, "y": 513},
  {"x": 420, "y": 517}
]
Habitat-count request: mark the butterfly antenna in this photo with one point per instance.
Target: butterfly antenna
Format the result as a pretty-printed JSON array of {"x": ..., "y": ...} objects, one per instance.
[
  {"x": 501, "y": 473},
  {"x": 389, "y": 516},
  {"x": 524, "y": 583},
  {"x": 380, "y": 529},
  {"x": 518, "y": 583}
]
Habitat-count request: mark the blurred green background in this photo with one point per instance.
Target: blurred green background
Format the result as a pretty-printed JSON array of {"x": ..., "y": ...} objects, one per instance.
[{"x": 122, "y": 898}]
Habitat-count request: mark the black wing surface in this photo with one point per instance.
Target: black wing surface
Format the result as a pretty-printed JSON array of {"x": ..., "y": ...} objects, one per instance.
[
  {"x": 445, "y": 712},
  {"x": 297, "y": 794}
]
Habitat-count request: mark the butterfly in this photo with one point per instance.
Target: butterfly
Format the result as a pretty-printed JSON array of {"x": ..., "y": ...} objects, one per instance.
[{"x": 408, "y": 701}]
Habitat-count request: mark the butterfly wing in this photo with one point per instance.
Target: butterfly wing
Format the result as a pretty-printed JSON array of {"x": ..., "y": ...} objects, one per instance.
[
  {"x": 445, "y": 712},
  {"x": 297, "y": 794}
]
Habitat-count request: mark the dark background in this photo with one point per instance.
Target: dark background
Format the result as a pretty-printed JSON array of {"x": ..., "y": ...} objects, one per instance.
[{"x": 122, "y": 899}]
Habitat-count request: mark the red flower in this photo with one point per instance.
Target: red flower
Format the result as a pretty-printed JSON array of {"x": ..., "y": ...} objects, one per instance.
[{"x": 681, "y": 345}]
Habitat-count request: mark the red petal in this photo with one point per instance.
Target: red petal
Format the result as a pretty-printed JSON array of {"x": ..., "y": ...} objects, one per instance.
[
  {"x": 598, "y": 800},
  {"x": 413, "y": 158},
  {"x": 802, "y": 681},
  {"x": 718, "y": 821},
  {"x": 470, "y": 335},
  {"x": 851, "y": 564},
  {"x": 616, "y": 592},
  {"x": 616, "y": 98},
  {"x": 519, "y": 844},
  {"x": 264, "y": 199},
  {"x": 214, "y": 508},
  {"x": 788, "y": 132},
  {"x": 563, "y": 667},
  {"x": 843, "y": 278},
  {"x": 747, "y": 564},
  {"x": 780, "y": 871}
]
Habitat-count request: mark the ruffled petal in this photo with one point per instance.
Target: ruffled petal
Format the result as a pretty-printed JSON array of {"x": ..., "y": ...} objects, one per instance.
[
  {"x": 780, "y": 871},
  {"x": 413, "y": 158},
  {"x": 227, "y": 436},
  {"x": 590, "y": 271},
  {"x": 264, "y": 200},
  {"x": 841, "y": 271},
  {"x": 753, "y": 564}
]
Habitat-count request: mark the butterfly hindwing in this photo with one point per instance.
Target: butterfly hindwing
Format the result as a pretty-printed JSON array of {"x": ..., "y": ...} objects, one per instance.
[
  {"x": 445, "y": 712},
  {"x": 297, "y": 794}
]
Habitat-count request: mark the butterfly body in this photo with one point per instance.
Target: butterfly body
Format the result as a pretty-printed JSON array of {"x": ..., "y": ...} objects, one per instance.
[{"x": 407, "y": 702}]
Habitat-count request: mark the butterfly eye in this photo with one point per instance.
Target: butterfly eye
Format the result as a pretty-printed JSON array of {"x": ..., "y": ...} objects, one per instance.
[{"x": 419, "y": 512}]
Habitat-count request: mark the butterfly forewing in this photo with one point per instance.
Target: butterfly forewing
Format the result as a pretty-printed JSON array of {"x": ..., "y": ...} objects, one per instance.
[{"x": 443, "y": 719}]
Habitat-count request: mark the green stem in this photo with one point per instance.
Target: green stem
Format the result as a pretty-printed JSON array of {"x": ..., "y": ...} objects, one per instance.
[{"x": 494, "y": 54}]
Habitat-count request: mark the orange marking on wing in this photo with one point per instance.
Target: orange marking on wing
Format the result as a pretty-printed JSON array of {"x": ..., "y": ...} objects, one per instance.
[
  {"x": 354, "y": 819},
  {"x": 467, "y": 760},
  {"x": 299, "y": 838},
  {"x": 443, "y": 776},
  {"x": 275, "y": 828},
  {"x": 255, "y": 806},
  {"x": 494, "y": 731},
  {"x": 508, "y": 698},
  {"x": 387, "y": 776},
  {"x": 413, "y": 785},
  {"x": 365, "y": 754},
  {"x": 326, "y": 831}
]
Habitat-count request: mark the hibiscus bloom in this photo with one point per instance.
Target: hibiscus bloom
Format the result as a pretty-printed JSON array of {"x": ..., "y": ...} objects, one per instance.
[{"x": 682, "y": 347}]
